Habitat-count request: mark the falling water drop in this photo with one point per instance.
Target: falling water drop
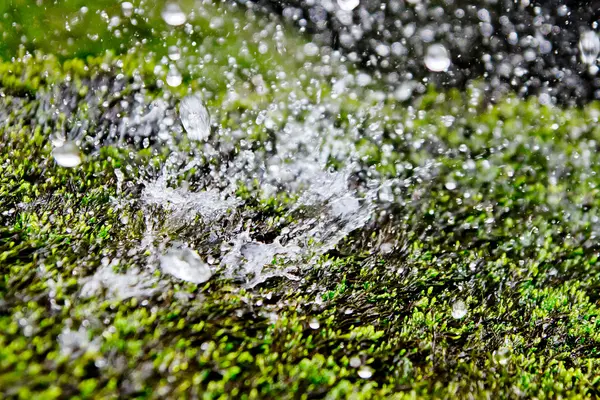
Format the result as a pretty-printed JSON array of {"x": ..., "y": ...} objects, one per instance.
[
  {"x": 127, "y": 9},
  {"x": 365, "y": 372},
  {"x": 174, "y": 78},
  {"x": 314, "y": 324},
  {"x": 355, "y": 362},
  {"x": 67, "y": 155},
  {"x": 348, "y": 5},
  {"x": 589, "y": 47},
  {"x": 173, "y": 15},
  {"x": 501, "y": 355},
  {"x": 185, "y": 264},
  {"x": 404, "y": 91},
  {"x": 437, "y": 58},
  {"x": 450, "y": 185},
  {"x": 194, "y": 117},
  {"x": 174, "y": 53}
]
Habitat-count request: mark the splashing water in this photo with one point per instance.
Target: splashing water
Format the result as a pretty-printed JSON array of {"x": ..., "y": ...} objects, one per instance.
[
  {"x": 185, "y": 264},
  {"x": 210, "y": 204},
  {"x": 328, "y": 206},
  {"x": 75, "y": 343},
  {"x": 339, "y": 213},
  {"x": 251, "y": 260},
  {"x": 133, "y": 283},
  {"x": 194, "y": 117}
]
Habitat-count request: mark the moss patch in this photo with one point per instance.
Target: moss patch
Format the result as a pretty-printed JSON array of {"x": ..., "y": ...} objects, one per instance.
[{"x": 495, "y": 206}]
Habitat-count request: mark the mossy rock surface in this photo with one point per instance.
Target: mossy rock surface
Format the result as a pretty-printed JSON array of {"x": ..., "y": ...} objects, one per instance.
[{"x": 440, "y": 247}]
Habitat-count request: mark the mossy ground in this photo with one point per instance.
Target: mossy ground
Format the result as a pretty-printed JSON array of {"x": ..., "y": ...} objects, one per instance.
[{"x": 498, "y": 208}]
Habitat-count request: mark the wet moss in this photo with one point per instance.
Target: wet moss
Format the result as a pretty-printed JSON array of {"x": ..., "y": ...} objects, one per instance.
[{"x": 496, "y": 207}]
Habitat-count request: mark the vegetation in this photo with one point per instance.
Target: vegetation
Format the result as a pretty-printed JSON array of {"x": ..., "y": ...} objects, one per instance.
[{"x": 492, "y": 205}]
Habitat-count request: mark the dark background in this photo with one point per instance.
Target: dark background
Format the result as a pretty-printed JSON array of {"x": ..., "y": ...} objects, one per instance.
[{"x": 526, "y": 66}]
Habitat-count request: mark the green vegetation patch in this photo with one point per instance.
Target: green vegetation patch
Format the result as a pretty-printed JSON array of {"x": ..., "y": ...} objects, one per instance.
[{"x": 475, "y": 275}]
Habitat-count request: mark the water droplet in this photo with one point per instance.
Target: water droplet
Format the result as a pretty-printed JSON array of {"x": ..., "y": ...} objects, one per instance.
[
  {"x": 319, "y": 299},
  {"x": 185, "y": 264},
  {"x": 363, "y": 79},
  {"x": 194, "y": 117},
  {"x": 174, "y": 53},
  {"x": 459, "y": 309},
  {"x": 500, "y": 356},
  {"x": 562, "y": 10},
  {"x": 67, "y": 155},
  {"x": 404, "y": 91},
  {"x": 589, "y": 47},
  {"x": 447, "y": 120},
  {"x": 174, "y": 78},
  {"x": 311, "y": 49},
  {"x": 216, "y": 22},
  {"x": 127, "y": 8},
  {"x": 348, "y": 5},
  {"x": 386, "y": 248},
  {"x": 314, "y": 324},
  {"x": 450, "y": 185},
  {"x": 437, "y": 58},
  {"x": 114, "y": 22},
  {"x": 365, "y": 372},
  {"x": 173, "y": 15},
  {"x": 263, "y": 48},
  {"x": 382, "y": 50}
]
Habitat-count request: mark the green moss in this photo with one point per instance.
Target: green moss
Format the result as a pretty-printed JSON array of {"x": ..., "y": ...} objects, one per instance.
[{"x": 514, "y": 237}]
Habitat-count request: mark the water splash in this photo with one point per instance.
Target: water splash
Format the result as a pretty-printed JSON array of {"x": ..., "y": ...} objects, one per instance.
[
  {"x": 75, "y": 343},
  {"x": 185, "y": 264},
  {"x": 184, "y": 205},
  {"x": 252, "y": 261},
  {"x": 135, "y": 282},
  {"x": 336, "y": 212}
]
